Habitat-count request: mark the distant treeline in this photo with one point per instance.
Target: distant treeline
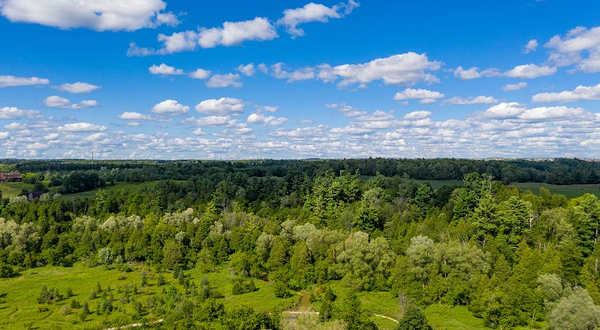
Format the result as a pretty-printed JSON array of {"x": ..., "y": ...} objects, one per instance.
[{"x": 559, "y": 171}]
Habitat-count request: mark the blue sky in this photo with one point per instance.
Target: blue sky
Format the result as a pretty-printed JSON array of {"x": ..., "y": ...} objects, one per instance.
[{"x": 294, "y": 79}]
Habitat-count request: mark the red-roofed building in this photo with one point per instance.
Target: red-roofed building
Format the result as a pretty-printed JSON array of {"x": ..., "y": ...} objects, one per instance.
[{"x": 11, "y": 177}]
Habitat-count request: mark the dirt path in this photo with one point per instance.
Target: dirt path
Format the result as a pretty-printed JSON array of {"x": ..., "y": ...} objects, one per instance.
[
  {"x": 135, "y": 325},
  {"x": 300, "y": 312}
]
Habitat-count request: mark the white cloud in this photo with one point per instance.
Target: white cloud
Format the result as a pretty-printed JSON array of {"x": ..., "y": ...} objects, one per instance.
[
  {"x": 12, "y": 81},
  {"x": 481, "y": 99},
  {"x": 200, "y": 74},
  {"x": 579, "y": 93},
  {"x": 99, "y": 15},
  {"x": 224, "y": 80},
  {"x": 426, "y": 96},
  {"x": 580, "y": 46},
  {"x": 505, "y": 110},
  {"x": 15, "y": 126},
  {"x": 268, "y": 108},
  {"x": 211, "y": 121},
  {"x": 403, "y": 69},
  {"x": 4, "y": 135},
  {"x": 233, "y": 33},
  {"x": 313, "y": 12},
  {"x": 416, "y": 115},
  {"x": 136, "y": 116},
  {"x": 247, "y": 70},
  {"x": 16, "y": 113},
  {"x": 56, "y": 101},
  {"x": 198, "y": 131},
  {"x": 549, "y": 113},
  {"x": 514, "y": 87},
  {"x": 530, "y": 71},
  {"x": 81, "y": 127},
  {"x": 164, "y": 69},
  {"x": 178, "y": 42},
  {"x": 78, "y": 88},
  {"x": 474, "y": 73},
  {"x": 170, "y": 107},
  {"x": 298, "y": 75},
  {"x": 259, "y": 118},
  {"x": 222, "y": 106},
  {"x": 526, "y": 71},
  {"x": 61, "y": 102},
  {"x": 531, "y": 46}
]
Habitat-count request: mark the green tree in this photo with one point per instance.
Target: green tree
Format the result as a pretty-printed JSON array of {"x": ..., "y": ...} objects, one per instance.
[
  {"x": 413, "y": 319},
  {"x": 575, "y": 312}
]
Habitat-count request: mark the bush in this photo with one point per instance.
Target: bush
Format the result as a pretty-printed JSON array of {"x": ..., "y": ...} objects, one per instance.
[{"x": 281, "y": 290}]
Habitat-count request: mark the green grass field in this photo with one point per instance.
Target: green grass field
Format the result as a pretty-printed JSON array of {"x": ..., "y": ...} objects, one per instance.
[
  {"x": 571, "y": 190},
  {"x": 20, "y": 310},
  {"x": 118, "y": 186},
  {"x": 11, "y": 189}
]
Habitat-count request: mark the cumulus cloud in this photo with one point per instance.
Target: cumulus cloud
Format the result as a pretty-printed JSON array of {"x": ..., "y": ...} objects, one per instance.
[
  {"x": 549, "y": 113},
  {"x": 211, "y": 121},
  {"x": 200, "y": 74},
  {"x": 224, "y": 80},
  {"x": 425, "y": 96},
  {"x": 16, "y": 113},
  {"x": 135, "y": 116},
  {"x": 505, "y": 110},
  {"x": 531, "y": 46},
  {"x": 81, "y": 127},
  {"x": 247, "y": 70},
  {"x": 530, "y": 71},
  {"x": 170, "y": 107},
  {"x": 481, "y": 99},
  {"x": 474, "y": 73},
  {"x": 416, "y": 115},
  {"x": 267, "y": 108},
  {"x": 526, "y": 71},
  {"x": 279, "y": 72},
  {"x": 580, "y": 46},
  {"x": 164, "y": 70},
  {"x": 514, "y": 87},
  {"x": 313, "y": 12},
  {"x": 12, "y": 81},
  {"x": 403, "y": 69},
  {"x": 61, "y": 102},
  {"x": 234, "y": 33},
  {"x": 260, "y": 119},
  {"x": 99, "y": 15},
  {"x": 579, "y": 93},
  {"x": 222, "y": 106},
  {"x": 4, "y": 135},
  {"x": 78, "y": 88}
]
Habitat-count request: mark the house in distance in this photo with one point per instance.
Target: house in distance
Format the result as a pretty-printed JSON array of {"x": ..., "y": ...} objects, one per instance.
[{"x": 11, "y": 177}]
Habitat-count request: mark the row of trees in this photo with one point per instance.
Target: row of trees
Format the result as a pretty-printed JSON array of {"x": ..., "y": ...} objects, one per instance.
[{"x": 559, "y": 171}]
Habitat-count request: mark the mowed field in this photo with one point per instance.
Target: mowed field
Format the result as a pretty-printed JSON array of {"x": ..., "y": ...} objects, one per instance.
[{"x": 19, "y": 308}]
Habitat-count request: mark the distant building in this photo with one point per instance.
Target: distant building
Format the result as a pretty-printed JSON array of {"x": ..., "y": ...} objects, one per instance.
[{"x": 11, "y": 177}]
